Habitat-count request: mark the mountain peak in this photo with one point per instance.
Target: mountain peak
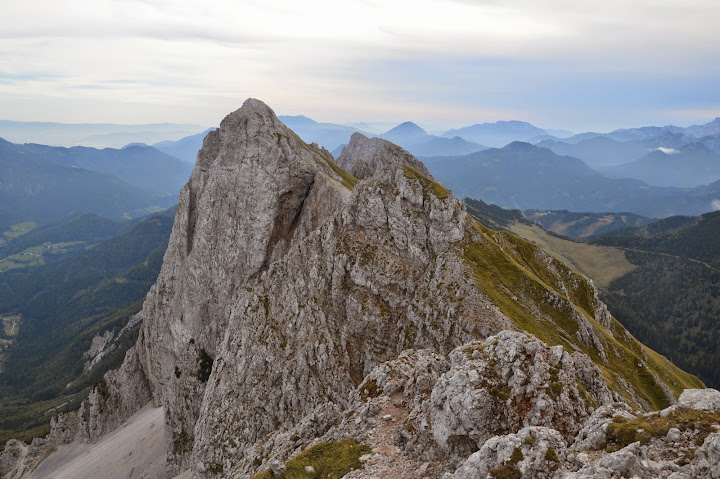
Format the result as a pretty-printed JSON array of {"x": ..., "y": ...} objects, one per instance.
[
  {"x": 520, "y": 145},
  {"x": 405, "y": 134},
  {"x": 407, "y": 127},
  {"x": 297, "y": 120},
  {"x": 254, "y": 107},
  {"x": 499, "y": 133},
  {"x": 363, "y": 156}
]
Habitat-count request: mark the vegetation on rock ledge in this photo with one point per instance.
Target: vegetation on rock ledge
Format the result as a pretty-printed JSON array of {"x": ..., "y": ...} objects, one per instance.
[{"x": 330, "y": 460}]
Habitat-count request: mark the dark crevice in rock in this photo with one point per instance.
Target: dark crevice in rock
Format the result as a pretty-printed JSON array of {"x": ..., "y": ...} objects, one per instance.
[
  {"x": 290, "y": 204},
  {"x": 192, "y": 220},
  {"x": 354, "y": 369}
]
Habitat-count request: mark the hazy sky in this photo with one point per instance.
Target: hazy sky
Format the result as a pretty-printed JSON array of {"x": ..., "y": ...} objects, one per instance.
[{"x": 571, "y": 64}]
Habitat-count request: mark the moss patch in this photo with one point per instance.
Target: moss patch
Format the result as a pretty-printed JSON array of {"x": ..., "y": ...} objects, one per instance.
[
  {"x": 622, "y": 432},
  {"x": 428, "y": 185},
  {"x": 369, "y": 389},
  {"x": 506, "y": 472},
  {"x": 551, "y": 455},
  {"x": 331, "y": 460}
]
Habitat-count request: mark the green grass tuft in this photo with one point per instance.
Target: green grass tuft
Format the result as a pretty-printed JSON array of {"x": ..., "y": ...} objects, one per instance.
[
  {"x": 428, "y": 185},
  {"x": 330, "y": 460},
  {"x": 622, "y": 432},
  {"x": 551, "y": 455}
]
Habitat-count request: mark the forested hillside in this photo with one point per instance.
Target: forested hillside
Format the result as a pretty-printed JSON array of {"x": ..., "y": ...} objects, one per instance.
[
  {"x": 671, "y": 302},
  {"x": 62, "y": 306},
  {"x": 661, "y": 280}
]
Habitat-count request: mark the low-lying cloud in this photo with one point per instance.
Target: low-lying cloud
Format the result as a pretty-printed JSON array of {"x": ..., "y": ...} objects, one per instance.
[{"x": 668, "y": 151}]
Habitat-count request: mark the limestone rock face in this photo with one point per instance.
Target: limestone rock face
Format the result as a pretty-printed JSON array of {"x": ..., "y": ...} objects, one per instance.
[
  {"x": 707, "y": 458},
  {"x": 535, "y": 452},
  {"x": 247, "y": 201},
  {"x": 18, "y": 460},
  {"x": 412, "y": 376},
  {"x": 383, "y": 276},
  {"x": 702, "y": 399},
  {"x": 363, "y": 156},
  {"x": 498, "y": 386},
  {"x": 12, "y": 459},
  {"x": 119, "y": 395},
  {"x": 593, "y": 434}
]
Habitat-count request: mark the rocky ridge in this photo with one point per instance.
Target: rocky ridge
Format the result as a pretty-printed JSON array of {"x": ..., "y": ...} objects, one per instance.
[
  {"x": 298, "y": 306},
  {"x": 363, "y": 156}
]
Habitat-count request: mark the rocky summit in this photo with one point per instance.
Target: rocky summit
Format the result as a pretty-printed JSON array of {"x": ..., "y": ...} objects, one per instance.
[{"x": 321, "y": 319}]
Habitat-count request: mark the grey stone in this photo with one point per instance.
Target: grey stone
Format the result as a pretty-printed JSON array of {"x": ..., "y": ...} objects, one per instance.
[
  {"x": 501, "y": 385},
  {"x": 702, "y": 399},
  {"x": 536, "y": 452},
  {"x": 364, "y": 156}
]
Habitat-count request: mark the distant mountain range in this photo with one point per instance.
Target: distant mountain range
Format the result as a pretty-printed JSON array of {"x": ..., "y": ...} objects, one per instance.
[
  {"x": 142, "y": 166},
  {"x": 598, "y": 151},
  {"x": 688, "y": 166},
  {"x": 91, "y": 134},
  {"x": 624, "y": 146},
  {"x": 651, "y": 171},
  {"x": 499, "y": 133},
  {"x": 418, "y": 142},
  {"x": 524, "y": 176},
  {"x": 43, "y": 184},
  {"x": 185, "y": 149},
  {"x": 329, "y": 135}
]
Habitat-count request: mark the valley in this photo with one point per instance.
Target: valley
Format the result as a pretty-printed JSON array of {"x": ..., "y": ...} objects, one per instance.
[{"x": 10, "y": 329}]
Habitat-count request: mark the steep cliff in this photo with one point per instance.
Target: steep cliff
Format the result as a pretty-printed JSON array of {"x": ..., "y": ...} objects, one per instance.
[{"x": 291, "y": 295}]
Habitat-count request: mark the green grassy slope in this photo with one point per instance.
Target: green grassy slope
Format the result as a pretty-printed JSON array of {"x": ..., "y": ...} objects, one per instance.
[{"x": 540, "y": 296}]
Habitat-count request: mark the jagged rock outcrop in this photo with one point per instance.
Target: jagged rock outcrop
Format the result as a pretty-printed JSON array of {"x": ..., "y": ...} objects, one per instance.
[
  {"x": 363, "y": 156},
  {"x": 703, "y": 399},
  {"x": 593, "y": 434},
  {"x": 298, "y": 305},
  {"x": 535, "y": 452},
  {"x": 120, "y": 394},
  {"x": 18, "y": 460},
  {"x": 498, "y": 386},
  {"x": 247, "y": 201},
  {"x": 381, "y": 415},
  {"x": 381, "y": 277}
]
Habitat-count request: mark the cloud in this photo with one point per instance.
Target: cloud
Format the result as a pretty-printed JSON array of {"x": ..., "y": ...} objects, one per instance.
[
  {"x": 567, "y": 62},
  {"x": 668, "y": 151},
  {"x": 715, "y": 205}
]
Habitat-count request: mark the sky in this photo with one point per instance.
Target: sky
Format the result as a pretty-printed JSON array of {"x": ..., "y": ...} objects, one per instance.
[{"x": 570, "y": 64}]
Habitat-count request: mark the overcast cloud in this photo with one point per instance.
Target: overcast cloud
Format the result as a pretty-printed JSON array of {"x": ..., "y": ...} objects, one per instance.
[{"x": 557, "y": 63}]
